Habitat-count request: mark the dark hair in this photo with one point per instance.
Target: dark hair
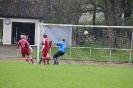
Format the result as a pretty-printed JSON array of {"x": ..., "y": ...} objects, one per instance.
[
  {"x": 63, "y": 40},
  {"x": 45, "y": 36}
]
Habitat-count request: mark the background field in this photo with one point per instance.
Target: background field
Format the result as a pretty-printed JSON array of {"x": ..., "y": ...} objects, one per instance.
[{"x": 19, "y": 74}]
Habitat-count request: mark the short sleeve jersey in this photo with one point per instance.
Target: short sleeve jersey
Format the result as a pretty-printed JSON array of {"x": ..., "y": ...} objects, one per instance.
[
  {"x": 23, "y": 44},
  {"x": 46, "y": 43}
]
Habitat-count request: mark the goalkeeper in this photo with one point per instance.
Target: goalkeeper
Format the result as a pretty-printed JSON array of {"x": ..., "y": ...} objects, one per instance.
[{"x": 60, "y": 52}]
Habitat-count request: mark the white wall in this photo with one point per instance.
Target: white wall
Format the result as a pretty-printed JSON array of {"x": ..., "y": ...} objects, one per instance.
[
  {"x": 7, "y": 33},
  {"x": 7, "y": 29}
]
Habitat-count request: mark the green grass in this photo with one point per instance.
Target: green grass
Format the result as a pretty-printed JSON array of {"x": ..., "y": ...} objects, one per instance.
[
  {"x": 22, "y": 75},
  {"x": 99, "y": 55}
]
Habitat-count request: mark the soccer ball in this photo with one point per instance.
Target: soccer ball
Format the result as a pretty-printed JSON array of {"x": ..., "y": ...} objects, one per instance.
[{"x": 85, "y": 32}]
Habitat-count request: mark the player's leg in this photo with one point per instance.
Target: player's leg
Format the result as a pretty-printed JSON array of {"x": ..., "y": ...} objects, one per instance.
[
  {"x": 27, "y": 60},
  {"x": 29, "y": 56},
  {"x": 23, "y": 55},
  {"x": 44, "y": 60},
  {"x": 58, "y": 54},
  {"x": 44, "y": 57},
  {"x": 55, "y": 57},
  {"x": 48, "y": 59},
  {"x": 40, "y": 60},
  {"x": 31, "y": 59}
]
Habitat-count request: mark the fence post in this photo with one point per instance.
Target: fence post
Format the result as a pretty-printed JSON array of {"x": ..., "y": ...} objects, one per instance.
[
  {"x": 38, "y": 44},
  {"x": 90, "y": 53},
  {"x": 131, "y": 48},
  {"x": 110, "y": 54}
]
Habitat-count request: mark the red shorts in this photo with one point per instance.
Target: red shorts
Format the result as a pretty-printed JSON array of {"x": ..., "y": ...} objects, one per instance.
[
  {"x": 25, "y": 52},
  {"x": 45, "y": 52}
]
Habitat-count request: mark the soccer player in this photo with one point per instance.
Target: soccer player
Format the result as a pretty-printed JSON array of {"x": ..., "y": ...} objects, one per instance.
[
  {"x": 45, "y": 49},
  {"x": 47, "y": 57},
  {"x": 61, "y": 51},
  {"x": 24, "y": 47}
]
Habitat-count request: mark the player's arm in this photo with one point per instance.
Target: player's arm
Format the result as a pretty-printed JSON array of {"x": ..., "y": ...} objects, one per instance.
[
  {"x": 43, "y": 45},
  {"x": 42, "y": 48},
  {"x": 18, "y": 47},
  {"x": 58, "y": 43},
  {"x": 30, "y": 48},
  {"x": 27, "y": 44},
  {"x": 50, "y": 43}
]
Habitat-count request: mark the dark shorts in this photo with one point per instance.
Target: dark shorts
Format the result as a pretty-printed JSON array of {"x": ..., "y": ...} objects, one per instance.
[{"x": 58, "y": 54}]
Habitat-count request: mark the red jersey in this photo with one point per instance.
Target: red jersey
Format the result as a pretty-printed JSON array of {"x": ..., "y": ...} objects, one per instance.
[
  {"x": 46, "y": 46},
  {"x": 23, "y": 44},
  {"x": 46, "y": 43}
]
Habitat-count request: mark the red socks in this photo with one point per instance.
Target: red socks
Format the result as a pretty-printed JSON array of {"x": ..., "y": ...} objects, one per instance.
[
  {"x": 32, "y": 61},
  {"x": 27, "y": 60},
  {"x": 48, "y": 58},
  {"x": 44, "y": 61}
]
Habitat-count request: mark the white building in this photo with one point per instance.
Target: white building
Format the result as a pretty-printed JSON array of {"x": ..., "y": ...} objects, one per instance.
[
  {"x": 13, "y": 28},
  {"x": 21, "y": 17}
]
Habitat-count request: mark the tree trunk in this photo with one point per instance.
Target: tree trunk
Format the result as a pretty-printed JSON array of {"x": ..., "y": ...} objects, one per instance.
[
  {"x": 94, "y": 22},
  {"x": 110, "y": 20}
]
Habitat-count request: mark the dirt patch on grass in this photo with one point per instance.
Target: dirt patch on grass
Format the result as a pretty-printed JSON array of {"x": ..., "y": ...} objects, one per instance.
[
  {"x": 12, "y": 59},
  {"x": 88, "y": 62},
  {"x": 97, "y": 63}
]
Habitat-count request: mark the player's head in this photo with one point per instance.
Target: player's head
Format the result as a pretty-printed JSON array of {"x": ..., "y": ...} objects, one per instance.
[
  {"x": 63, "y": 40},
  {"x": 24, "y": 37},
  {"x": 45, "y": 36}
]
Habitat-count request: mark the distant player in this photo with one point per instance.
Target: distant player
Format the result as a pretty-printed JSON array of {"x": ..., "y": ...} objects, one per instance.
[
  {"x": 61, "y": 51},
  {"x": 24, "y": 47},
  {"x": 45, "y": 49}
]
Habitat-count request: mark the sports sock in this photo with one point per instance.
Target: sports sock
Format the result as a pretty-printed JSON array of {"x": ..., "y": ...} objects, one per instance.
[
  {"x": 48, "y": 58},
  {"x": 55, "y": 60},
  {"x": 40, "y": 61},
  {"x": 44, "y": 61},
  {"x": 47, "y": 61},
  {"x": 32, "y": 61},
  {"x": 27, "y": 60}
]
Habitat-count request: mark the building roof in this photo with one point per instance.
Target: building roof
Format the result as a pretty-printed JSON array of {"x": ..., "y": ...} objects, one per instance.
[{"x": 23, "y": 8}]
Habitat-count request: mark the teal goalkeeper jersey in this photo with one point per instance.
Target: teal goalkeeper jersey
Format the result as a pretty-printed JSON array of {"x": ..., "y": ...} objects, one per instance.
[{"x": 62, "y": 46}]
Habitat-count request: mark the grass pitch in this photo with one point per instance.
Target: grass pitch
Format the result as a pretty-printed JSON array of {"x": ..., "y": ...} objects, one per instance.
[{"x": 23, "y": 75}]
